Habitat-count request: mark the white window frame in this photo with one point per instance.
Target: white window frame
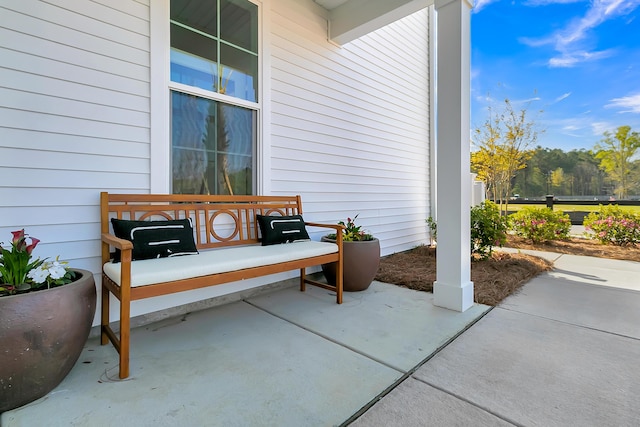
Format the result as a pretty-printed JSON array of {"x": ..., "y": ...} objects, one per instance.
[{"x": 160, "y": 99}]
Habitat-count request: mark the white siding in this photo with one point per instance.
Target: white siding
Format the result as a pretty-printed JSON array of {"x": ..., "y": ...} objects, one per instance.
[
  {"x": 74, "y": 118},
  {"x": 350, "y": 125},
  {"x": 347, "y": 128}
]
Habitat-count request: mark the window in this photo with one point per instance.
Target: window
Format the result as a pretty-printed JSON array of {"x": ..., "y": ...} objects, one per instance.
[{"x": 214, "y": 59}]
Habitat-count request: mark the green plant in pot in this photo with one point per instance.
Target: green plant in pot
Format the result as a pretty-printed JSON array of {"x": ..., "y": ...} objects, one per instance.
[
  {"x": 46, "y": 312},
  {"x": 361, "y": 257}
]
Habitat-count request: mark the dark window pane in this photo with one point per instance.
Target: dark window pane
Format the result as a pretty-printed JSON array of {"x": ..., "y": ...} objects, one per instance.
[
  {"x": 193, "y": 59},
  {"x": 198, "y": 14},
  {"x": 239, "y": 23},
  {"x": 239, "y": 73}
]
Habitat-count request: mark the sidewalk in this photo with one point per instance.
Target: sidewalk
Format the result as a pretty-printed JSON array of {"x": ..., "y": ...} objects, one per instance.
[{"x": 562, "y": 352}]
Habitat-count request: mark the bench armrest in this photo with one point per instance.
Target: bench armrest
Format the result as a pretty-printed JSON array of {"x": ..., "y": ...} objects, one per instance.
[
  {"x": 117, "y": 242},
  {"x": 336, "y": 227},
  {"x": 126, "y": 251}
]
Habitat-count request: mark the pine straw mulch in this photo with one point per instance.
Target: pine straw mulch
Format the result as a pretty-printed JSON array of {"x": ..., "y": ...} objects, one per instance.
[{"x": 498, "y": 277}]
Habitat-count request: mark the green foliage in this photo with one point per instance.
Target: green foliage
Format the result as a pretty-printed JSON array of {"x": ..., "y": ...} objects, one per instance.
[
  {"x": 431, "y": 223},
  {"x": 20, "y": 272},
  {"x": 615, "y": 152},
  {"x": 581, "y": 174},
  {"x": 612, "y": 225},
  {"x": 488, "y": 229},
  {"x": 352, "y": 232},
  {"x": 502, "y": 148},
  {"x": 540, "y": 224}
]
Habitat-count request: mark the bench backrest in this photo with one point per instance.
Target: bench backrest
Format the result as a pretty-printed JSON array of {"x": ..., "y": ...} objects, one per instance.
[{"x": 217, "y": 220}]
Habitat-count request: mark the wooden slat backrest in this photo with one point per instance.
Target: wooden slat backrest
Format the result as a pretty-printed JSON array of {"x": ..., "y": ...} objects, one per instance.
[{"x": 218, "y": 220}]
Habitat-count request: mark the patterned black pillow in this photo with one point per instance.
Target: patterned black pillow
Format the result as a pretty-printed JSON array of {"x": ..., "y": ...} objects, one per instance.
[
  {"x": 281, "y": 229},
  {"x": 156, "y": 239}
]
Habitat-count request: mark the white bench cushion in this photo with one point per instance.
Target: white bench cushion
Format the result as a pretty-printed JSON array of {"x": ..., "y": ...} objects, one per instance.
[{"x": 150, "y": 271}]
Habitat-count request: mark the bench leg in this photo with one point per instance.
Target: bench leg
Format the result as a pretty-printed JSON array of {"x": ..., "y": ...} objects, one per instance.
[
  {"x": 125, "y": 326},
  {"x": 303, "y": 278},
  {"x": 339, "y": 278},
  {"x": 104, "y": 316}
]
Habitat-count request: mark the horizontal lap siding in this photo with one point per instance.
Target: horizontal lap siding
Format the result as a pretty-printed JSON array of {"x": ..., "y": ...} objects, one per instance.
[
  {"x": 350, "y": 125},
  {"x": 74, "y": 118}
]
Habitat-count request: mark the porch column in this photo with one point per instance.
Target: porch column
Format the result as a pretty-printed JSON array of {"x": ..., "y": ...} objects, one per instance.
[{"x": 453, "y": 288}]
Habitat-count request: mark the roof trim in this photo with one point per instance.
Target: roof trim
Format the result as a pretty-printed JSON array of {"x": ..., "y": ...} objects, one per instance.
[{"x": 355, "y": 18}]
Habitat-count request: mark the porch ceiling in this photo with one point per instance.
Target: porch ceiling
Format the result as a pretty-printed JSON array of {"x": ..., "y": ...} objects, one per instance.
[
  {"x": 330, "y": 4},
  {"x": 350, "y": 19}
]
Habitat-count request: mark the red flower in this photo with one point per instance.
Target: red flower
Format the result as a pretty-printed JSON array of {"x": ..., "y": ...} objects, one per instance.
[
  {"x": 20, "y": 242},
  {"x": 17, "y": 236},
  {"x": 32, "y": 246}
]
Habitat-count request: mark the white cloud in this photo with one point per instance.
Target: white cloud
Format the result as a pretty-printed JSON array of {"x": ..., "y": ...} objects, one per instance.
[
  {"x": 570, "y": 59},
  {"x": 629, "y": 104},
  {"x": 525, "y": 101},
  {"x": 562, "y": 97},
  {"x": 481, "y": 4},
  {"x": 599, "y": 12},
  {"x": 567, "y": 40},
  {"x": 548, "y": 2},
  {"x": 599, "y": 128}
]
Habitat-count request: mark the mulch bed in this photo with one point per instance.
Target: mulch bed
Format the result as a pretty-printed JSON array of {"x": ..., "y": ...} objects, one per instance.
[
  {"x": 494, "y": 279},
  {"x": 501, "y": 275}
]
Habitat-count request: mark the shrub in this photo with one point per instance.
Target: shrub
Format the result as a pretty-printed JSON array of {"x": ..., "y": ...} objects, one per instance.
[
  {"x": 433, "y": 228},
  {"x": 612, "y": 225},
  {"x": 540, "y": 224},
  {"x": 488, "y": 229}
]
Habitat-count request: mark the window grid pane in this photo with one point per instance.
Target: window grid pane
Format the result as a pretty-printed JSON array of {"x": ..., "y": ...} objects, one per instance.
[
  {"x": 214, "y": 47},
  {"x": 212, "y": 146},
  {"x": 216, "y": 51}
]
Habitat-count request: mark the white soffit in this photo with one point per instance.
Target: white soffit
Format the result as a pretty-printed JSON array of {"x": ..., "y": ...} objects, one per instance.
[
  {"x": 330, "y": 4},
  {"x": 351, "y": 19}
]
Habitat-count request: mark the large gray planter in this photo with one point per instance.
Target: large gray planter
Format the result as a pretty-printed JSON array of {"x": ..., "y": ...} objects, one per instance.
[
  {"x": 42, "y": 334},
  {"x": 361, "y": 261}
]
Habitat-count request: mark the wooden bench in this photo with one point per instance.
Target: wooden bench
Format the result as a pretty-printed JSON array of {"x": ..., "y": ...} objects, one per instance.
[{"x": 224, "y": 227}]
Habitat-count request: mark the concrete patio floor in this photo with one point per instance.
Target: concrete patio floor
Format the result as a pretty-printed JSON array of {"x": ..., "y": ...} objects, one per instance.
[
  {"x": 284, "y": 358},
  {"x": 563, "y": 351}
]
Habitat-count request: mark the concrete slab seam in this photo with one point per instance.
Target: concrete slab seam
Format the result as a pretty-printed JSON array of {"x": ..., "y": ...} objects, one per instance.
[
  {"x": 568, "y": 323},
  {"x": 488, "y": 411},
  {"x": 410, "y": 372},
  {"x": 375, "y": 400},
  {"x": 328, "y": 338}
]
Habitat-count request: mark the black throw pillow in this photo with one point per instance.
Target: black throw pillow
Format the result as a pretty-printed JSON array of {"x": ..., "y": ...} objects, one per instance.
[
  {"x": 156, "y": 239},
  {"x": 281, "y": 229}
]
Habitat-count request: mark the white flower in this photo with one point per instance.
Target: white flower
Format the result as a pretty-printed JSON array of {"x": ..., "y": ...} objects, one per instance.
[
  {"x": 38, "y": 274},
  {"x": 57, "y": 270}
]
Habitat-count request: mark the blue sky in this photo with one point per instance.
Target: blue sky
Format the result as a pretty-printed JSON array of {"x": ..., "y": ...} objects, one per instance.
[{"x": 578, "y": 61}]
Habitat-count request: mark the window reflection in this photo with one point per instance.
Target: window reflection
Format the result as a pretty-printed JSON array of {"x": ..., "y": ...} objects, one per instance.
[{"x": 212, "y": 146}]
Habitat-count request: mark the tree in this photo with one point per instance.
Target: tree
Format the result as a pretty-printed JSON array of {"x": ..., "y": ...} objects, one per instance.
[
  {"x": 616, "y": 152},
  {"x": 502, "y": 143},
  {"x": 557, "y": 178},
  {"x": 582, "y": 176}
]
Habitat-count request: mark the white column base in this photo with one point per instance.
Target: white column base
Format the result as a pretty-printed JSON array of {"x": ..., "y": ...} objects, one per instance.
[{"x": 453, "y": 297}]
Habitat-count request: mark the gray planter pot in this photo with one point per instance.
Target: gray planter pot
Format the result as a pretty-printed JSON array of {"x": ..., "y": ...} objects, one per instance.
[
  {"x": 42, "y": 335},
  {"x": 361, "y": 261}
]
